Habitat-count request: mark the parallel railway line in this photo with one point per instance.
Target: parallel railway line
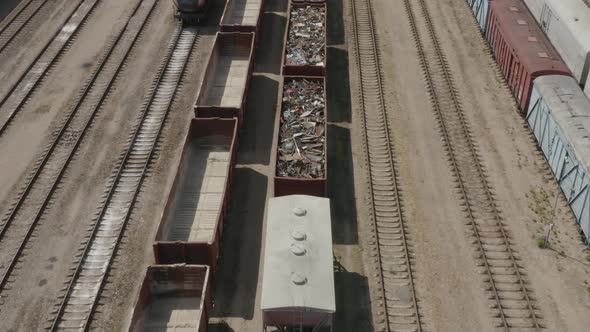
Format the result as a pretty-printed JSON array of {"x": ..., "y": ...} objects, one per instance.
[
  {"x": 28, "y": 208},
  {"x": 26, "y": 84},
  {"x": 18, "y": 20},
  {"x": 392, "y": 250},
  {"x": 511, "y": 299},
  {"x": 83, "y": 291}
]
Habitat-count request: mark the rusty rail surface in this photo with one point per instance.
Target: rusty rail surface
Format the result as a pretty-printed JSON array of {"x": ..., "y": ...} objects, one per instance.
[
  {"x": 17, "y": 20},
  {"x": 35, "y": 195},
  {"x": 396, "y": 294},
  {"x": 77, "y": 306},
  {"x": 512, "y": 304},
  {"x": 27, "y": 83}
]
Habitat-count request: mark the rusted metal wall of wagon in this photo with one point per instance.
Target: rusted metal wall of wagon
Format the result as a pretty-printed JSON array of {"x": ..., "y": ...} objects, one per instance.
[
  {"x": 521, "y": 48},
  {"x": 191, "y": 226},
  {"x": 173, "y": 297},
  {"x": 303, "y": 113},
  {"x": 305, "y": 65},
  {"x": 227, "y": 77},
  {"x": 241, "y": 16}
]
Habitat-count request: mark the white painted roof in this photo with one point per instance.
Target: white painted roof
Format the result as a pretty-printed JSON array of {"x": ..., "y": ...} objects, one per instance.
[
  {"x": 571, "y": 110},
  {"x": 298, "y": 265}
]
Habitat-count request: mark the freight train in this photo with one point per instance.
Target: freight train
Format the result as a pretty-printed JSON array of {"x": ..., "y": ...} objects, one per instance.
[
  {"x": 543, "y": 51},
  {"x": 191, "y": 11}
]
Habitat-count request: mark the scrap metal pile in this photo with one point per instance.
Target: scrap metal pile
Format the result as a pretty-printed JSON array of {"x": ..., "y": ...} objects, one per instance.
[
  {"x": 306, "y": 36},
  {"x": 302, "y": 129}
]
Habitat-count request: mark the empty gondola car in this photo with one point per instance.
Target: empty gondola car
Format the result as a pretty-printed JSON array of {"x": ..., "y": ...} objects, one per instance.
[
  {"x": 521, "y": 49},
  {"x": 192, "y": 223},
  {"x": 173, "y": 298}
]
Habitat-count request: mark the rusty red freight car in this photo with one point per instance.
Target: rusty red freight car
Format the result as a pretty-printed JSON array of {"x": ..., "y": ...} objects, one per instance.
[
  {"x": 304, "y": 46},
  {"x": 521, "y": 48},
  {"x": 241, "y": 16},
  {"x": 227, "y": 77},
  {"x": 173, "y": 298},
  {"x": 307, "y": 1},
  {"x": 191, "y": 226},
  {"x": 301, "y": 162}
]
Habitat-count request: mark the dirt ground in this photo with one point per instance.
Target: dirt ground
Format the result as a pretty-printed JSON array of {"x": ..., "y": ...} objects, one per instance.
[{"x": 449, "y": 290}]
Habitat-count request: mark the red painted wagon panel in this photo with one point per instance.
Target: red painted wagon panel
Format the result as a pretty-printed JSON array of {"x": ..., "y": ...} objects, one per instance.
[
  {"x": 173, "y": 296},
  {"x": 304, "y": 70},
  {"x": 287, "y": 185},
  {"x": 227, "y": 77},
  {"x": 521, "y": 48},
  {"x": 191, "y": 226}
]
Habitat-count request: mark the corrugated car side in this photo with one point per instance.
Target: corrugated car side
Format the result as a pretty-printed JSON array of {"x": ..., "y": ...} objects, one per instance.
[
  {"x": 521, "y": 49},
  {"x": 559, "y": 116}
]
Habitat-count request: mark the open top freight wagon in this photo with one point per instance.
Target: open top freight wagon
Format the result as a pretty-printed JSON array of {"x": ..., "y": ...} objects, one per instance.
[
  {"x": 242, "y": 16},
  {"x": 173, "y": 298},
  {"x": 227, "y": 77},
  {"x": 191, "y": 226}
]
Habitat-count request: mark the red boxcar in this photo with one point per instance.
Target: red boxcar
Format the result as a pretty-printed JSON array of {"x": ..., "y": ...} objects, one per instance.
[
  {"x": 291, "y": 185},
  {"x": 227, "y": 77},
  {"x": 173, "y": 297},
  {"x": 305, "y": 70},
  {"x": 521, "y": 48},
  {"x": 191, "y": 226}
]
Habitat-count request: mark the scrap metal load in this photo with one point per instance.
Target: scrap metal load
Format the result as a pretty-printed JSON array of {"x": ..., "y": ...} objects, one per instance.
[
  {"x": 191, "y": 11},
  {"x": 301, "y": 156},
  {"x": 305, "y": 44}
]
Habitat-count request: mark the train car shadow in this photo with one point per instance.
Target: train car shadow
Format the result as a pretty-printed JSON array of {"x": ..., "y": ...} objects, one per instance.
[
  {"x": 256, "y": 140},
  {"x": 335, "y": 22},
  {"x": 338, "y": 86},
  {"x": 341, "y": 186},
  {"x": 219, "y": 327},
  {"x": 270, "y": 47},
  {"x": 237, "y": 274},
  {"x": 275, "y": 5},
  {"x": 353, "y": 304}
]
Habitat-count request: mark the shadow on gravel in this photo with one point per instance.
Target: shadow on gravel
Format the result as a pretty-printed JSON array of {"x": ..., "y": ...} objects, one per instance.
[
  {"x": 275, "y": 6},
  {"x": 256, "y": 140},
  {"x": 338, "y": 86},
  {"x": 237, "y": 274},
  {"x": 219, "y": 327},
  {"x": 270, "y": 47},
  {"x": 335, "y": 23},
  {"x": 341, "y": 186},
  {"x": 353, "y": 306}
]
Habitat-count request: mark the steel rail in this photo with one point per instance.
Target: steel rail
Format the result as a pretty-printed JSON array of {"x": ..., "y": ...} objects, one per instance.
[
  {"x": 455, "y": 131},
  {"x": 387, "y": 217},
  {"x": 44, "y": 161},
  {"x": 26, "y": 84},
  {"x": 88, "y": 280},
  {"x": 17, "y": 22}
]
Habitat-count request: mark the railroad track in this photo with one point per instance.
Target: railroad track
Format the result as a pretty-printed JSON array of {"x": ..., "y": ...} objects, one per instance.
[
  {"x": 83, "y": 291},
  {"x": 398, "y": 308},
  {"x": 19, "y": 93},
  {"x": 28, "y": 208},
  {"x": 16, "y": 22},
  {"x": 506, "y": 287}
]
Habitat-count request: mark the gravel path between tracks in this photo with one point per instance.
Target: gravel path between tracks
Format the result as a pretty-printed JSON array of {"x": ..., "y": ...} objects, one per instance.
[
  {"x": 449, "y": 289},
  {"x": 58, "y": 237}
]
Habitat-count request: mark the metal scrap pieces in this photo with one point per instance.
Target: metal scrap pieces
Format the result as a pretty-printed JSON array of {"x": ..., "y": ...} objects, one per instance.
[
  {"x": 302, "y": 129},
  {"x": 306, "y": 36}
]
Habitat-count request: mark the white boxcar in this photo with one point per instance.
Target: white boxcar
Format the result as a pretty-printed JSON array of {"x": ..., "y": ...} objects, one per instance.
[
  {"x": 481, "y": 9},
  {"x": 567, "y": 25},
  {"x": 559, "y": 116}
]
